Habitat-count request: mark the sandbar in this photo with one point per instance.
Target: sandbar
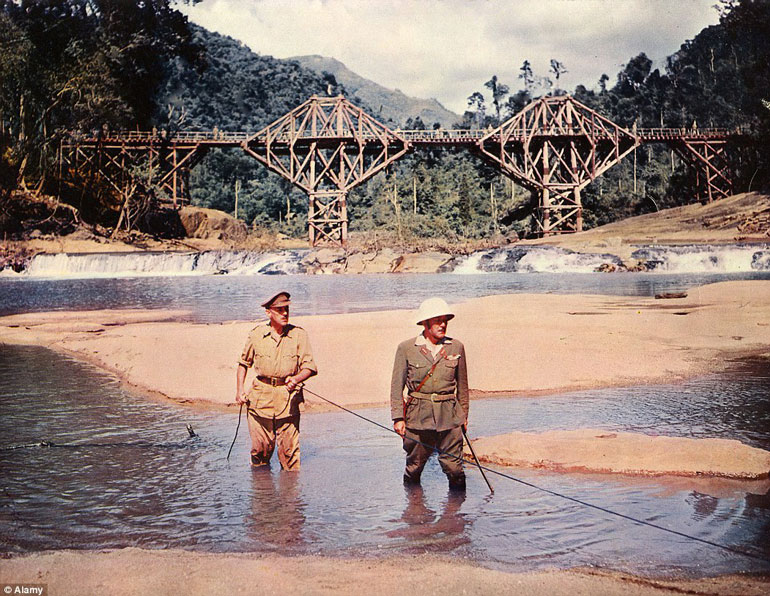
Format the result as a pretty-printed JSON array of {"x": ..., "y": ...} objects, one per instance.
[
  {"x": 596, "y": 450},
  {"x": 133, "y": 571},
  {"x": 516, "y": 344}
]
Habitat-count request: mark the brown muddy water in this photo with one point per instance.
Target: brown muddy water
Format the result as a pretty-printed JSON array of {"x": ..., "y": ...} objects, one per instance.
[{"x": 122, "y": 471}]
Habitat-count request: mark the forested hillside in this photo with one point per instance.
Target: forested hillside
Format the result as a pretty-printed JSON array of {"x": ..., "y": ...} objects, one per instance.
[
  {"x": 78, "y": 65},
  {"x": 85, "y": 65}
]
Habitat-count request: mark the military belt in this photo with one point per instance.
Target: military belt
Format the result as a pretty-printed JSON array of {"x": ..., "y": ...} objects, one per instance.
[
  {"x": 432, "y": 396},
  {"x": 274, "y": 381}
]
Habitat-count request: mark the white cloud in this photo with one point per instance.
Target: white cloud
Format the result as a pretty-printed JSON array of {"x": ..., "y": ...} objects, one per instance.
[{"x": 447, "y": 49}]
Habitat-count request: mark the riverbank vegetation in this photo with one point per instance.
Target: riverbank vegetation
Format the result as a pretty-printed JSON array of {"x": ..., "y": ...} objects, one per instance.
[{"x": 90, "y": 66}]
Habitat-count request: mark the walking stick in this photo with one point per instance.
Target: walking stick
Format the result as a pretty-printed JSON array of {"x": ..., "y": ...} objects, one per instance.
[
  {"x": 467, "y": 440},
  {"x": 240, "y": 411}
]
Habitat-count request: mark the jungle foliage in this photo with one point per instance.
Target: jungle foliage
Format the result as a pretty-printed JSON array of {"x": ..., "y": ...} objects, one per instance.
[
  {"x": 78, "y": 65},
  {"x": 85, "y": 65}
]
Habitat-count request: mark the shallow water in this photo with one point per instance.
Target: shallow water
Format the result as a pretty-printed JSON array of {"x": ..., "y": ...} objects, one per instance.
[
  {"x": 216, "y": 298},
  {"x": 124, "y": 472}
]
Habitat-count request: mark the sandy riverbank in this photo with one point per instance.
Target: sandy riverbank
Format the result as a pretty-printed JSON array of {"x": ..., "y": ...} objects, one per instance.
[
  {"x": 133, "y": 571},
  {"x": 741, "y": 218},
  {"x": 516, "y": 344}
]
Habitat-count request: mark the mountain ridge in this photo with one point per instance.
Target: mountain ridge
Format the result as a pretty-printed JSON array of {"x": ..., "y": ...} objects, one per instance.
[{"x": 389, "y": 104}]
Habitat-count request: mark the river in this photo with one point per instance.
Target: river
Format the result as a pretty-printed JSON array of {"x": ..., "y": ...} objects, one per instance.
[{"x": 122, "y": 471}]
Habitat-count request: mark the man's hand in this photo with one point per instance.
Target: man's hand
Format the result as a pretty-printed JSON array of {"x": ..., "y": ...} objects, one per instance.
[
  {"x": 400, "y": 427},
  {"x": 291, "y": 383},
  {"x": 240, "y": 398},
  {"x": 294, "y": 382}
]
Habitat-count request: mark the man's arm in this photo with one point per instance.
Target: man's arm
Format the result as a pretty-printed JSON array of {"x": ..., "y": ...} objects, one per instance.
[
  {"x": 293, "y": 381},
  {"x": 462, "y": 385},
  {"x": 240, "y": 377},
  {"x": 244, "y": 362},
  {"x": 307, "y": 365},
  {"x": 397, "y": 382}
]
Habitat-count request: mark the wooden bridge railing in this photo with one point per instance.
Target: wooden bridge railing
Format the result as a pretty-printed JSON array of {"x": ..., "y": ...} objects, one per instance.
[{"x": 437, "y": 136}]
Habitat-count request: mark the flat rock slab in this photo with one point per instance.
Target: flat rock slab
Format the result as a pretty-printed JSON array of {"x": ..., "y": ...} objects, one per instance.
[
  {"x": 424, "y": 262},
  {"x": 593, "y": 450}
]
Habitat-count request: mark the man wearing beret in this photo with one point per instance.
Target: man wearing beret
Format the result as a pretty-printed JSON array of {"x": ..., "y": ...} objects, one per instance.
[
  {"x": 434, "y": 408},
  {"x": 281, "y": 356}
]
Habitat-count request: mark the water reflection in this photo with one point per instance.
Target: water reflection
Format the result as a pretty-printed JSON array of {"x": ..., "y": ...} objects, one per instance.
[
  {"x": 759, "y": 501},
  {"x": 224, "y": 298},
  {"x": 427, "y": 531},
  {"x": 277, "y": 516}
]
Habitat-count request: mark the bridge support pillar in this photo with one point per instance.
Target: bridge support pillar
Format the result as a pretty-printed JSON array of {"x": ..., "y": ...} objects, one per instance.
[
  {"x": 327, "y": 218},
  {"x": 176, "y": 163},
  {"x": 326, "y": 147},
  {"x": 555, "y": 147},
  {"x": 712, "y": 169},
  {"x": 559, "y": 210}
]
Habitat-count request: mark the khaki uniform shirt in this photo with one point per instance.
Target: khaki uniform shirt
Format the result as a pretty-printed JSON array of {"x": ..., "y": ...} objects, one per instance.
[
  {"x": 276, "y": 357},
  {"x": 442, "y": 402}
]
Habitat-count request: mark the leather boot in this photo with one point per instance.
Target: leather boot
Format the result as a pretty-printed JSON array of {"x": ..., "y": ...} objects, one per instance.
[
  {"x": 457, "y": 482},
  {"x": 409, "y": 481}
]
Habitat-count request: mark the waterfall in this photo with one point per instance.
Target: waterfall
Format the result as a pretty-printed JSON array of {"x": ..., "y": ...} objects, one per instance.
[
  {"x": 730, "y": 258},
  {"x": 138, "y": 264},
  {"x": 534, "y": 259}
]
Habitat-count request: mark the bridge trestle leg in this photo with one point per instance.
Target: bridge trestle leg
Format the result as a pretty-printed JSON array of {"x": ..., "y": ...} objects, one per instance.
[
  {"x": 328, "y": 218},
  {"x": 709, "y": 158},
  {"x": 559, "y": 211},
  {"x": 175, "y": 178}
]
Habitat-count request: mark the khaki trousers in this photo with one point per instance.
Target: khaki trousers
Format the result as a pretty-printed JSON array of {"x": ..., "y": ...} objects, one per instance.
[
  {"x": 450, "y": 442},
  {"x": 267, "y": 432}
]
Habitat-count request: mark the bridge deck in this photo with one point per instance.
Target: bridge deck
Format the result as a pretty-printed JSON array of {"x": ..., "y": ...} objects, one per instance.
[{"x": 416, "y": 137}]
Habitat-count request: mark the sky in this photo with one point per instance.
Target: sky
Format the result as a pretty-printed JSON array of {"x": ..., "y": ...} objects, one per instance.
[{"x": 447, "y": 49}]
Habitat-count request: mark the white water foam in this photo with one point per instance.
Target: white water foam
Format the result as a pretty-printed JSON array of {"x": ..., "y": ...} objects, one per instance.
[
  {"x": 548, "y": 261},
  {"x": 523, "y": 259},
  {"x": 533, "y": 259},
  {"x": 146, "y": 264},
  {"x": 470, "y": 264},
  {"x": 732, "y": 258}
]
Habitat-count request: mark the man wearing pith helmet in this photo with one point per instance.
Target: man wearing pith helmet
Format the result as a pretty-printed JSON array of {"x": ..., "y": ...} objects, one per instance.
[
  {"x": 434, "y": 408},
  {"x": 281, "y": 356}
]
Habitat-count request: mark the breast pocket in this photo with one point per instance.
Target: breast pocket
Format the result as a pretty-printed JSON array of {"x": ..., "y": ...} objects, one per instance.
[
  {"x": 449, "y": 369},
  {"x": 416, "y": 373},
  {"x": 288, "y": 364}
]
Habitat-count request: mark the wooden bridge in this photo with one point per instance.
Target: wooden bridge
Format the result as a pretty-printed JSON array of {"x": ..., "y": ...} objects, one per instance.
[{"x": 554, "y": 147}]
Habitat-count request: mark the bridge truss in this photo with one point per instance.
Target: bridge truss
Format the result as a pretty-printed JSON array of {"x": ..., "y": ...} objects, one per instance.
[
  {"x": 555, "y": 147},
  {"x": 326, "y": 146}
]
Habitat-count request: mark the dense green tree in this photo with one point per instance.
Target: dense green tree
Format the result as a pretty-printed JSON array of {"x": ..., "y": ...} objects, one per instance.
[
  {"x": 69, "y": 65},
  {"x": 527, "y": 76},
  {"x": 499, "y": 91},
  {"x": 558, "y": 69}
]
